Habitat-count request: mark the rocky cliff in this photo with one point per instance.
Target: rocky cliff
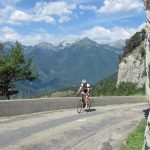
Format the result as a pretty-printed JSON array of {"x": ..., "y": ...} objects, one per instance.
[{"x": 132, "y": 67}]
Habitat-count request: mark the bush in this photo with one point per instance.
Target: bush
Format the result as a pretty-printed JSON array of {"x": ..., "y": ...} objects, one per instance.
[
  {"x": 129, "y": 88},
  {"x": 134, "y": 42},
  {"x": 143, "y": 52},
  {"x": 107, "y": 87}
]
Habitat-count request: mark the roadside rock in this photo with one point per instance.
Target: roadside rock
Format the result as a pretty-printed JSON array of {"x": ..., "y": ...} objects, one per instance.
[{"x": 132, "y": 68}]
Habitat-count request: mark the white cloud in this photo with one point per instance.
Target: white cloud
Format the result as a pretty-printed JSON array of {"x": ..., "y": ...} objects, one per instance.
[
  {"x": 10, "y": 15},
  {"x": 115, "y": 6},
  {"x": 98, "y": 33},
  {"x": 6, "y": 29},
  {"x": 37, "y": 38},
  {"x": 88, "y": 7},
  {"x": 8, "y": 34},
  {"x": 47, "y": 19},
  {"x": 54, "y": 8},
  {"x": 47, "y": 12},
  {"x": 19, "y": 16},
  {"x": 62, "y": 10},
  {"x": 104, "y": 35},
  {"x": 5, "y": 14},
  {"x": 64, "y": 19},
  {"x": 79, "y": 1},
  {"x": 118, "y": 33}
]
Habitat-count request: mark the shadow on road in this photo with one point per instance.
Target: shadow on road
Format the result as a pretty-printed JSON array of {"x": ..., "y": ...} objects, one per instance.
[
  {"x": 146, "y": 112},
  {"x": 90, "y": 110}
]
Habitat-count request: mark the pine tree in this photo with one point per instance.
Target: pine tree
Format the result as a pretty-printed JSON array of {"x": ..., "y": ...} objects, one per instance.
[{"x": 14, "y": 67}]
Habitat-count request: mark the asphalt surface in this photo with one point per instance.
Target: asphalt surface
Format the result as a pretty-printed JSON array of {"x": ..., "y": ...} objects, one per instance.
[{"x": 102, "y": 128}]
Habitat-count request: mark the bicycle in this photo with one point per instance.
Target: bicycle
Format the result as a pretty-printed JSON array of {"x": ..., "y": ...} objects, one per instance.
[{"x": 81, "y": 105}]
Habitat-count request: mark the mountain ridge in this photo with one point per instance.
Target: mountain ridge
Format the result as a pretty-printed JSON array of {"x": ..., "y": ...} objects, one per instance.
[{"x": 61, "y": 68}]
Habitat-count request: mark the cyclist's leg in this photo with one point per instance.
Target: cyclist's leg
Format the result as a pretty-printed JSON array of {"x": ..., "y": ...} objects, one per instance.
[
  {"x": 86, "y": 100},
  {"x": 82, "y": 95},
  {"x": 89, "y": 101},
  {"x": 88, "y": 97},
  {"x": 83, "y": 98}
]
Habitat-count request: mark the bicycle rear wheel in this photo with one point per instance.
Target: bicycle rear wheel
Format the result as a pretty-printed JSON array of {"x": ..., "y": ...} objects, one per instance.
[{"x": 80, "y": 105}]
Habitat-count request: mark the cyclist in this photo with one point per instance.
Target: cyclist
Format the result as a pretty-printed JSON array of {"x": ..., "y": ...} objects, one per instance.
[{"x": 84, "y": 89}]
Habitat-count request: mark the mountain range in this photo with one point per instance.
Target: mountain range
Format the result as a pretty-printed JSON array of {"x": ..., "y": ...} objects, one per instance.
[{"x": 66, "y": 64}]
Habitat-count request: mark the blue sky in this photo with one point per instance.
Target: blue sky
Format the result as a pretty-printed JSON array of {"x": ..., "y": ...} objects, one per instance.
[{"x": 34, "y": 21}]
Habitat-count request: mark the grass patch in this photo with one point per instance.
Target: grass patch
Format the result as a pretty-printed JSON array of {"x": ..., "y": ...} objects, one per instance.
[{"x": 135, "y": 139}]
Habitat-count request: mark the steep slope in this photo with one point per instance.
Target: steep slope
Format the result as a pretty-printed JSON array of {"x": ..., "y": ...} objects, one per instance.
[{"x": 132, "y": 67}]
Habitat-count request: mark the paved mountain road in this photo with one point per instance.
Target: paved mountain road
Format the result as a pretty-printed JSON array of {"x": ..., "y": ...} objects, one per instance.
[{"x": 103, "y": 128}]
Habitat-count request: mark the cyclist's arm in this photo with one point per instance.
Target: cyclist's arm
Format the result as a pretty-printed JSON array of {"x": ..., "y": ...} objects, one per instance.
[
  {"x": 79, "y": 90},
  {"x": 88, "y": 90}
]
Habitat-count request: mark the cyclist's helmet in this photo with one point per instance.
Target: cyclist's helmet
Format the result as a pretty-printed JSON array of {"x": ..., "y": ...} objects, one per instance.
[{"x": 83, "y": 81}]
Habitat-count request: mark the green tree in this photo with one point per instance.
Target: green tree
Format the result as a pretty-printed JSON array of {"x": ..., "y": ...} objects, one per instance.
[
  {"x": 14, "y": 67},
  {"x": 134, "y": 42}
]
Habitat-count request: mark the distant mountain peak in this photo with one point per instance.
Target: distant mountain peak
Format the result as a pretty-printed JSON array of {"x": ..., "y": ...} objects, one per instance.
[
  {"x": 66, "y": 43},
  {"x": 9, "y": 44},
  {"x": 86, "y": 39},
  {"x": 45, "y": 45}
]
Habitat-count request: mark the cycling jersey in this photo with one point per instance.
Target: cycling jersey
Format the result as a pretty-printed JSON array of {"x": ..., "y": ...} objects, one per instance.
[{"x": 85, "y": 87}]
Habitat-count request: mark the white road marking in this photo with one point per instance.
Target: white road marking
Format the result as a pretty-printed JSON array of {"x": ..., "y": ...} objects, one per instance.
[{"x": 80, "y": 120}]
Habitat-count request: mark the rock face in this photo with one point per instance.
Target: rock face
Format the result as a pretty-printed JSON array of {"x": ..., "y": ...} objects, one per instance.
[
  {"x": 132, "y": 68},
  {"x": 147, "y": 44}
]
